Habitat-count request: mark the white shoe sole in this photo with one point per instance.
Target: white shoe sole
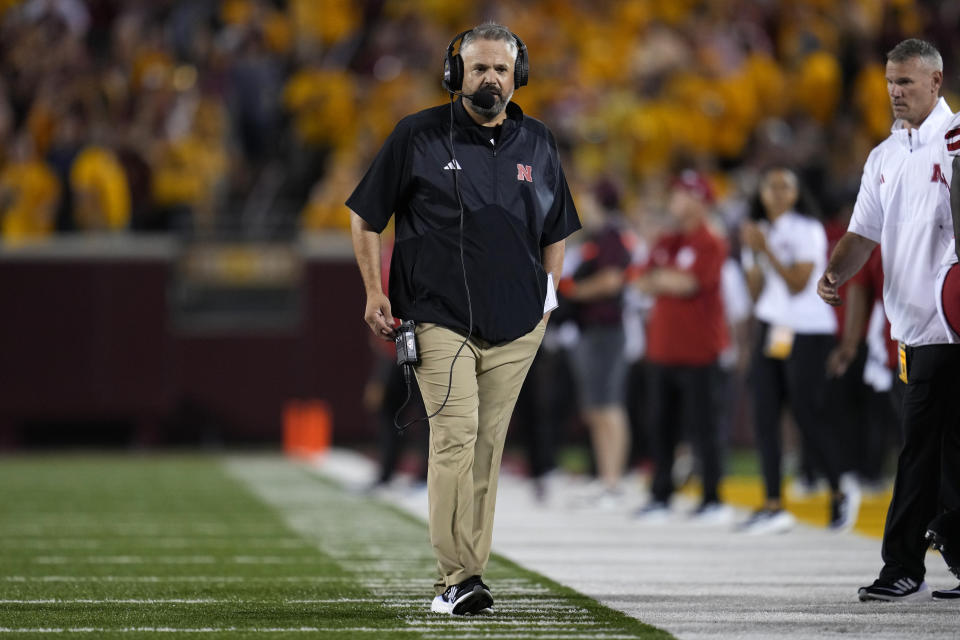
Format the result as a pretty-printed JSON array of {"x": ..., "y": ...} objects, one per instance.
[
  {"x": 439, "y": 605},
  {"x": 468, "y": 604}
]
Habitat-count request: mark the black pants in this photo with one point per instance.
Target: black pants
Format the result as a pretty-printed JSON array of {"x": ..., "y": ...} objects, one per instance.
[
  {"x": 882, "y": 433},
  {"x": 392, "y": 441},
  {"x": 801, "y": 381},
  {"x": 690, "y": 393},
  {"x": 847, "y": 402},
  {"x": 928, "y": 469},
  {"x": 637, "y": 412},
  {"x": 544, "y": 406}
]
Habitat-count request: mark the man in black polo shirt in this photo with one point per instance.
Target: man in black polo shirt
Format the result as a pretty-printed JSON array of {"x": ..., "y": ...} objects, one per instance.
[{"x": 482, "y": 212}]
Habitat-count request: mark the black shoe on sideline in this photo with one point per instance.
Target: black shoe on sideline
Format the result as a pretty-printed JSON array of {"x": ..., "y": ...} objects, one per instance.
[
  {"x": 900, "y": 590},
  {"x": 464, "y": 599},
  {"x": 844, "y": 509},
  {"x": 947, "y": 594}
]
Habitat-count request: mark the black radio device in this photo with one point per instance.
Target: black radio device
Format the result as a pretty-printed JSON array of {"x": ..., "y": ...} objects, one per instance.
[{"x": 407, "y": 352}]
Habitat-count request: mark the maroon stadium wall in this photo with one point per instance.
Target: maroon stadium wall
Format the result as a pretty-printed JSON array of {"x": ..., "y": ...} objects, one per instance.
[{"x": 93, "y": 333}]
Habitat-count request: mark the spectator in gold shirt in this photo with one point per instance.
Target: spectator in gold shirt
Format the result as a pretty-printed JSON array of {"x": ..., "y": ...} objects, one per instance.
[
  {"x": 101, "y": 195},
  {"x": 29, "y": 193}
]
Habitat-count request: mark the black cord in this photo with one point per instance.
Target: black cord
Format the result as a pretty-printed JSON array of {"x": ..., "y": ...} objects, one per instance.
[{"x": 454, "y": 168}]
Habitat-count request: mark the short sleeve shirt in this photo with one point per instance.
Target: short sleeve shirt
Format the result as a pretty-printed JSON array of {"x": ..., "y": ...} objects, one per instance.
[{"x": 515, "y": 201}]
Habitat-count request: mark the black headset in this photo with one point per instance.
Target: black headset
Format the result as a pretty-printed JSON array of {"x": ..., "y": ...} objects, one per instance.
[{"x": 453, "y": 65}]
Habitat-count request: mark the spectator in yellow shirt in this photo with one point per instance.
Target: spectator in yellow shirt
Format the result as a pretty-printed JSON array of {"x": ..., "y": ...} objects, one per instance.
[
  {"x": 29, "y": 194},
  {"x": 101, "y": 194}
]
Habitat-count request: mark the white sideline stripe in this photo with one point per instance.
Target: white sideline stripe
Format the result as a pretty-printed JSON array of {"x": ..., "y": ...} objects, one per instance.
[
  {"x": 191, "y": 630},
  {"x": 173, "y": 560},
  {"x": 121, "y": 601},
  {"x": 140, "y": 529},
  {"x": 558, "y": 625},
  {"x": 570, "y": 633},
  {"x": 396, "y": 602},
  {"x": 214, "y": 579},
  {"x": 195, "y": 601},
  {"x": 573, "y": 635},
  {"x": 154, "y": 543}
]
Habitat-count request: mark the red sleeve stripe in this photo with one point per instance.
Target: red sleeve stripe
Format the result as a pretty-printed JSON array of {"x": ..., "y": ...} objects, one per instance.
[{"x": 953, "y": 139}]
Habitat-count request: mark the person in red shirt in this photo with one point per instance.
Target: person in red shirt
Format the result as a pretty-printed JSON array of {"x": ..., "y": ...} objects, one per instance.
[{"x": 686, "y": 333}]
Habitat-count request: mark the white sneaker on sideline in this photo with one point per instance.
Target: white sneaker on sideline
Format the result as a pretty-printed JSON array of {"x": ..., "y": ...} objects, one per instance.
[
  {"x": 768, "y": 521},
  {"x": 597, "y": 495},
  {"x": 712, "y": 514},
  {"x": 844, "y": 511},
  {"x": 654, "y": 512}
]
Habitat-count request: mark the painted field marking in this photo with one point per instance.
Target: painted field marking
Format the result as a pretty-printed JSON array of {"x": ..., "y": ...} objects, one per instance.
[
  {"x": 152, "y": 542},
  {"x": 204, "y": 559},
  {"x": 118, "y": 601},
  {"x": 363, "y": 551},
  {"x": 211, "y": 579},
  {"x": 559, "y": 632}
]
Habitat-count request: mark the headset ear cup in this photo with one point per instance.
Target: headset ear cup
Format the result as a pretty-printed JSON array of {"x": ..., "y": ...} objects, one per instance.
[
  {"x": 453, "y": 65},
  {"x": 521, "y": 68},
  {"x": 452, "y": 73},
  {"x": 456, "y": 72},
  {"x": 520, "y": 72}
]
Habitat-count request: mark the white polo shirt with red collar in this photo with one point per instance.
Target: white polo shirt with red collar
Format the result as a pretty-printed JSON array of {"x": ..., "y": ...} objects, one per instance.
[{"x": 904, "y": 204}]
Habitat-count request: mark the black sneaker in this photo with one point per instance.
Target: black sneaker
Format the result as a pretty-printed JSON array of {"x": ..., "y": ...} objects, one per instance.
[
  {"x": 947, "y": 594},
  {"x": 467, "y": 598},
  {"x": 844, "y": 509},
  {"x": 901, "y": 590}
]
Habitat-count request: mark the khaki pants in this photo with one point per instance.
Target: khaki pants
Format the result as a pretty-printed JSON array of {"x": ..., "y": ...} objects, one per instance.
[{"x": 466, "y": 439}]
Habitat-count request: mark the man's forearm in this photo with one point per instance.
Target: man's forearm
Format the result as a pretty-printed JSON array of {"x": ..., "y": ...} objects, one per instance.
[
  {"x": 366, "y": 247},
  {"x": 855, "y": 318},
  {"x": 553, "y": 259},
  {"x": 850, "y": 254}
]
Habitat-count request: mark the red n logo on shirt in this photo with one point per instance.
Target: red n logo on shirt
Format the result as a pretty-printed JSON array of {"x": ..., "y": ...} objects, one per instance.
[
  {"x": 938, "y": 175},
  {"x": 525, "y": 172}
]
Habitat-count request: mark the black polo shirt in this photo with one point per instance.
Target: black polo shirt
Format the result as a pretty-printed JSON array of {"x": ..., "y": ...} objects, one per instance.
[{"x": 515, "y": 199}]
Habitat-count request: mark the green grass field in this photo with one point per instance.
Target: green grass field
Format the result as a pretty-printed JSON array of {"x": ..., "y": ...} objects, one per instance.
[{"x": 240, "y": 547}]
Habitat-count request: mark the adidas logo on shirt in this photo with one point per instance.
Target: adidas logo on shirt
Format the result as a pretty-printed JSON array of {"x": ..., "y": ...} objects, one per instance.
[{"x": 453, "y": 164}]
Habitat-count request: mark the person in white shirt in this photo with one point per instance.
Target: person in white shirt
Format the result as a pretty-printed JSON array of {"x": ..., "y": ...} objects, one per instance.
[
  {"x": 796, "y": 330},
  {"x": 904, "y": 204}
]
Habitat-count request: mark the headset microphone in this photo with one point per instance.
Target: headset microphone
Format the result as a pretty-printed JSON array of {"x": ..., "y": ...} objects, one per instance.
[{"x": 483, "y": 99}]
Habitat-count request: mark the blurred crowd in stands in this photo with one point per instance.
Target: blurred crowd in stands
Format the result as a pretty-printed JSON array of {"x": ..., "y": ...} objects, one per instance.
[{"x": 259, "y": 114}]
